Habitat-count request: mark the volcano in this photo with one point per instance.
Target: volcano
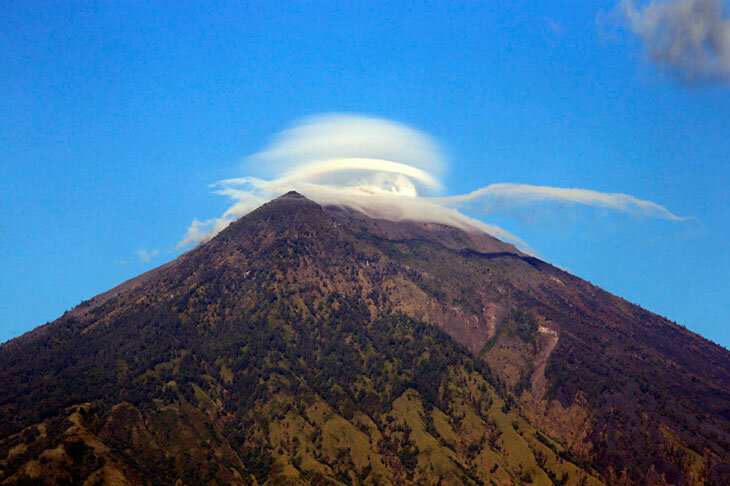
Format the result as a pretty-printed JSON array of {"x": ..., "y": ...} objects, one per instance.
[{"x": 310, "y": 344}]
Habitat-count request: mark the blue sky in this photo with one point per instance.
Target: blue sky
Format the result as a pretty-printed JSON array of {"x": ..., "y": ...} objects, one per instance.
[{"x": 116, "y": 117}]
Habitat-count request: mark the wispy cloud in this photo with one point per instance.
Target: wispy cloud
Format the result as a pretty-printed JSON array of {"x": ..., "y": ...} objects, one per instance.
[
  {"x": 515, "y": 194},
  {"x": 688, "y": 38},
  {"x": 386, "y": 170},
  {"x": 555, "y": 27},
  {"x": 146, "y": 255}
]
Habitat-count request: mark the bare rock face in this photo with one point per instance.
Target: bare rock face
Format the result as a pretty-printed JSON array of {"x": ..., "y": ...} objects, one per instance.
[{"x": 315, "y": 345}]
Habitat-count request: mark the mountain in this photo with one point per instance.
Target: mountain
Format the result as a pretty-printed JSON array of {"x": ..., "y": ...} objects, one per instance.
[{"x": 315, "y": 345}]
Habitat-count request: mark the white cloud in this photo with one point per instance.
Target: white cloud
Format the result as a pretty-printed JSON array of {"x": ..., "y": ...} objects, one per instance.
[
  {"x": 145, "y": 255},
  {"x": 385, "y": 170},
  {"x": 338, "y": 136},
  {"x": 515, "y": 194},
  {"x": 690, "y": 38}
]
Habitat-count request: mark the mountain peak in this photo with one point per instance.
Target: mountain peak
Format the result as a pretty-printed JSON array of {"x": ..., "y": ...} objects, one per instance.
[{"x": 291, "y": 195}]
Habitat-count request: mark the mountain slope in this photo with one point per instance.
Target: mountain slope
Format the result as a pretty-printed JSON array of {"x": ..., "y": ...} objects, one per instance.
[{"x": 310, "y": 345}]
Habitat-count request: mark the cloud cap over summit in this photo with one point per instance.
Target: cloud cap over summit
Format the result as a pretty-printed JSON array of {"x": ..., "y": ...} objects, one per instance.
[{"x": 387, "y": 170}]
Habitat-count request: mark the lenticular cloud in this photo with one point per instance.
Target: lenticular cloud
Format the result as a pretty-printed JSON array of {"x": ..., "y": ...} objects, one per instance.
[{"x": 386, "y": 170}]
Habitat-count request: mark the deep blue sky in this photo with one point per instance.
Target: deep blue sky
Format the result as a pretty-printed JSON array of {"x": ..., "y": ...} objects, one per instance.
[{"x": 117, "y": 115}]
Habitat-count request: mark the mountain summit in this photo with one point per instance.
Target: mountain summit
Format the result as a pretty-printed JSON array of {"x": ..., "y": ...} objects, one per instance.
[{"x": 316, "y": 345}]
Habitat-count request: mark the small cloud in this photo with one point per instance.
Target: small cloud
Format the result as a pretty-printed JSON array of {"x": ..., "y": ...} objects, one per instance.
[
  {"x": 688, "y": 38},
  {"x": 145, "y": 256},
  {"x": 555, "y": 27},
  {"x": 202, "y": 231}
]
